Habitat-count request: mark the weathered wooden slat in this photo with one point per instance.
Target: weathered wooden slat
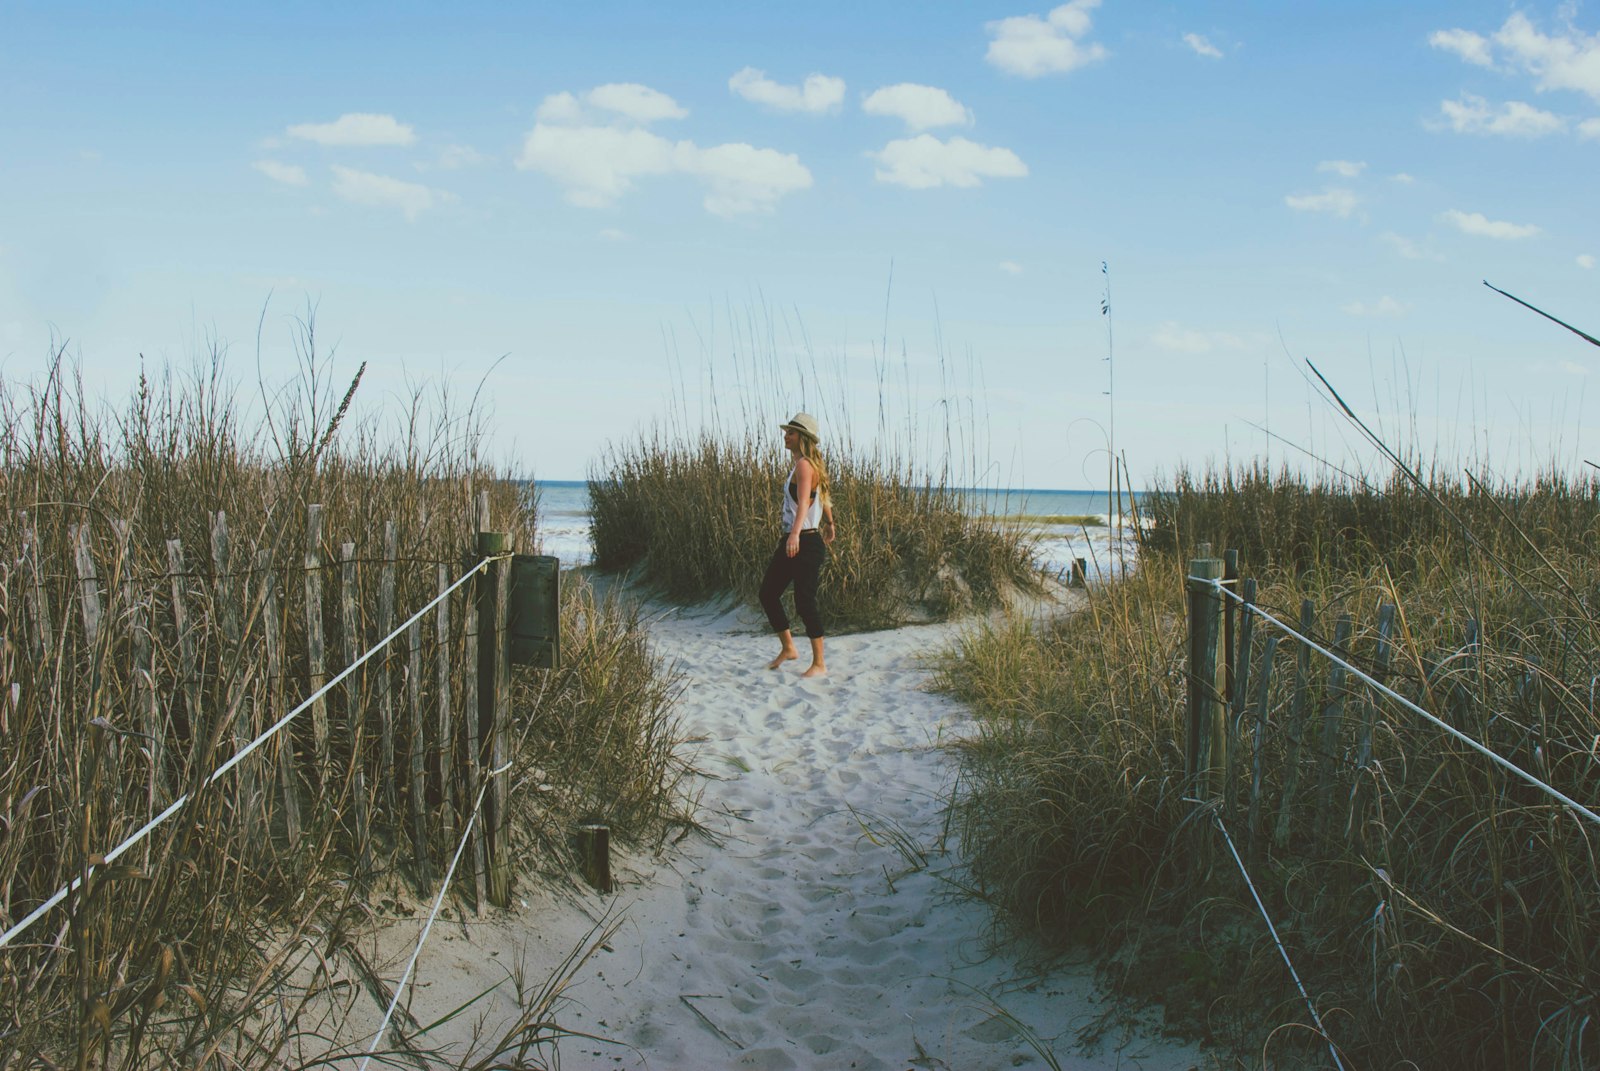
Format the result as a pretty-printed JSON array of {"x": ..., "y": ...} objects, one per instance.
[
  {"x": 494, "y": 701},
  {"x": 1332, "y": 715},
  {"x": 316, "y": 650},
  {"x": 1258, "y": 766},
  {"x": 418, "y": 751},
  {"x": 467, "y": 783},
  {"x": 1241, "y": 693},
  {"x": 350, "y": 620},
  {"x": 237, "y": 709},
  {"x": 1380, "y": 673},
  {"x": 273, "y": 692},
  {"x": 444, "y": 752},
  {"x": 1297, "y": 723},
  {"x": 383, "y": 665},
  {"x": 38, "y": 597},
  {"x": 89, "y": 594}
]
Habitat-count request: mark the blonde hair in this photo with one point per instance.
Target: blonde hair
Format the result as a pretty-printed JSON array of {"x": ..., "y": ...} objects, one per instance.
[{"x": 812, "y": 453}]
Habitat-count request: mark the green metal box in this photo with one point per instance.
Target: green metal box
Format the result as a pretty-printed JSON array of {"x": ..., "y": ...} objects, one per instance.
[{"x": 533, "y": 618}]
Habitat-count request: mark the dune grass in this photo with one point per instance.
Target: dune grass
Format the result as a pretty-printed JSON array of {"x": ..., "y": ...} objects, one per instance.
[
  {"x": 221, "y": 941},
  {"x": 697, "y": 517},
  {"x": 1434, "y": 904}
]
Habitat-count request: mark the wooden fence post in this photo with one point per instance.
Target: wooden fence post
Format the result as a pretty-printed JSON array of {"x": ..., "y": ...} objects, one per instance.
[
  {"x": 1297, "y": 722},
  {"x": 444, "y": 737},
  {"x": 236, "y": 703},
  {"x": 142, "y": 670},
  {"x": 1239, "y": 682},
  {"x": 350, "y": 618},
  {"x": 1205, "y": 745},
  {"x": 494, "y": 693},
  {"x": 467, "y": 791},
  {"x": 382, "y": 664},
  {"x": 274, "y": 693},
  {"x": 316, "y": 651},
  {"x": 1332, "y": 715}
]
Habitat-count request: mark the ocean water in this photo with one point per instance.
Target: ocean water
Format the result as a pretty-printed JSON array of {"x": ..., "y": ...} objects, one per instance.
[{"x": 564, "y": 524}]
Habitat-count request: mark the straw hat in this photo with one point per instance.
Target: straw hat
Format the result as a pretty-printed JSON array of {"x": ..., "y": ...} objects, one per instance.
[{"x": 805, "y": 424}]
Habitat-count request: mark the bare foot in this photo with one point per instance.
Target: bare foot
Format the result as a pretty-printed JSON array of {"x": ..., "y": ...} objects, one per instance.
[
  {"x": 817, "y": 670},
  {"x": 783, "y": 656}
]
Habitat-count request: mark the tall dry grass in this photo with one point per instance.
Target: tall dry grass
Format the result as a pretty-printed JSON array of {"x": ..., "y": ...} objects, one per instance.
[
  {"x": 1434, "y": 904},
  {"x": 217, "y": 941}
]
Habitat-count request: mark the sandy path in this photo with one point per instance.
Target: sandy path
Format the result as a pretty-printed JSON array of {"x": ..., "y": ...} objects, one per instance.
[{"x": 802, "y": 941}]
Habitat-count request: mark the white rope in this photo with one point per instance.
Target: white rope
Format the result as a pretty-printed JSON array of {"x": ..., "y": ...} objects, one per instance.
[
  {"x": 438, "y": 901},
  {"x": 1284, "y": 952},
  {"x": 1403, "y": 701},
  {"x": 178, "y": 804}
]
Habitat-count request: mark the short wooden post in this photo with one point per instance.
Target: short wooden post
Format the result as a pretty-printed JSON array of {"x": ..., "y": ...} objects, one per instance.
[
  {"x": 594, "y": 855},
  {"x": 1207, "y": 739},
  {"x": 494, "y": 695},
  {"x": 316, "y": 650},
  {"x": 38, "y": 598},
  {"x": 1080, "y": 573},
  {"x": 1230, "y": 579}
]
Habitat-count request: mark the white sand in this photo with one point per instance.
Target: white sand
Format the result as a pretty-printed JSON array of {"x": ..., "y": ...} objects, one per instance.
[{"x": 807, "y": 939}]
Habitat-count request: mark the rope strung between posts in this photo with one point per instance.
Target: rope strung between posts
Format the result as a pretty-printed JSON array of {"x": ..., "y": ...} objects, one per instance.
[
  {"x": 438, "y": 902},
  {"x": 1483, "y": 750},
  {"x": 179, "y": 803},
  {"x": 1284, "y": 952}
]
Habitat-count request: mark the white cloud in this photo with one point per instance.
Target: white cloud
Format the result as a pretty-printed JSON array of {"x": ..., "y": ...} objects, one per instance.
[
  {"x": 924, "y": 162},
  {"x": 1031, "y": 46},
  {"x": 1589, "y": 129},
  {"x": 1571, "y": 61},
  {"x": 1573, "y": 368},
  {"x": 1384, "y": 306},
  {"x": 1202, "y": 45},
  {"x": 1464, "y": 43},
  {"x": 560, "y": 107},
  {"x": 1402, "y": 178},
  {"x": 1585, "y": 261},
  {"x": 639, "y": 103},
  {"x": 381, "y": 191},
  {"x": 919, "y": 107},
  {"x": 1176, "y": 339},
  {"x": 1473, "y": 115},
  {"x": 1011, "y": 267},
  {"x": 1334, "y": 201},
  {"x": 1477, "y": 224},
  {"x": 1343, "y": 168},
  {"x": 818, "y": 94},
  {"x": 611, "y": 234},
  {"x": 598, "y": 164},
  {"x": 288, "y": 174},
  {"x": 742, "y": 177},
  {"x": 356, "y": 129}
]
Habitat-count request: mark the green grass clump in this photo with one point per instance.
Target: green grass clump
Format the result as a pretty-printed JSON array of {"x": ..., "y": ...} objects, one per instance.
[
  {"x": 1432, "y": 902},
  {"x": 221, "y": 939},
  {"x": 700, "y": 517}
]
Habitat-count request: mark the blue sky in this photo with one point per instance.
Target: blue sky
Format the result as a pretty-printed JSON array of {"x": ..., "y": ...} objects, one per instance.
[{"x": 578, "y": 205}]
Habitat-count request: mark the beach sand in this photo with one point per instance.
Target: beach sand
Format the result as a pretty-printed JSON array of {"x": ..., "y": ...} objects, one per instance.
[{"x": 818, "y": 926}]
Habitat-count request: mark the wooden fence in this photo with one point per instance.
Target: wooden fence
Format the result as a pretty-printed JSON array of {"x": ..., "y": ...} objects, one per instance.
[
  {"x": 170, "y": 672},
  {"x": 1320, "y": 736}
]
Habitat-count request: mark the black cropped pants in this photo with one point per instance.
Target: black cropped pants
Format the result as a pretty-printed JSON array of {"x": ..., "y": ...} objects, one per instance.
[{"x": 803, "y": 570}]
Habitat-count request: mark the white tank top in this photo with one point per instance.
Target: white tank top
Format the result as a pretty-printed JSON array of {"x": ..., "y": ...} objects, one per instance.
[{"x": 790, "y": 504}]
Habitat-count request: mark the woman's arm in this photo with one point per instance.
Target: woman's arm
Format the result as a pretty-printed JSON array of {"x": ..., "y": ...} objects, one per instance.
[
  {"x": 828, "y": 531},
  {"x": 804, "y": 481}
]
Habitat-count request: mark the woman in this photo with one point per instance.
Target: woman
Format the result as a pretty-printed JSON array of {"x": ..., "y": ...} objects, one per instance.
[{"x": 808, "y": 524}]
